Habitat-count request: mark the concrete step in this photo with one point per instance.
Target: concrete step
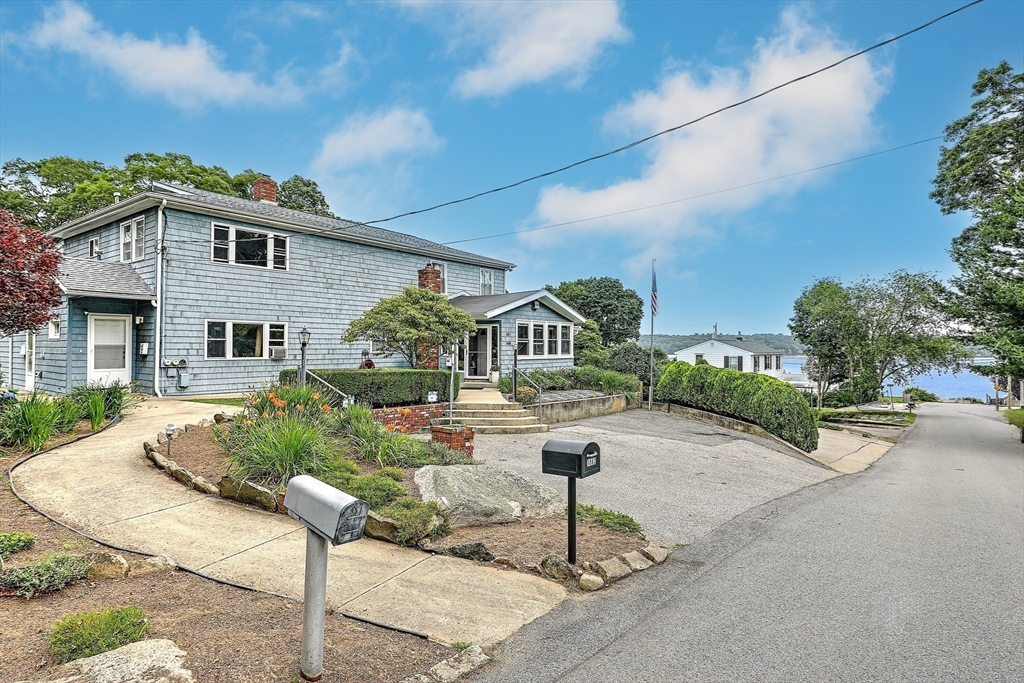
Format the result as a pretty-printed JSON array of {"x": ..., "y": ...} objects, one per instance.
[
  {"x": 463, "y": 414},
  {"x": 527, "y": 429},
  {"x": 466, "y": 405},
  {"x": 490, "y": 421},
  {"x": 479, "y": 385}
]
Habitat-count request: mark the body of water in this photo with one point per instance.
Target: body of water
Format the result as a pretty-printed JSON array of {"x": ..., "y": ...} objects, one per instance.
[{"x": 945, "y": 385}]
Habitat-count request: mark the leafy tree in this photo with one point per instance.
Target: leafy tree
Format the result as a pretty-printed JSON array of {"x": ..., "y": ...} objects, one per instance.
[
  {"x": 28, "y": 265},
  {"x": 982, "y": 171},
  {"x": 588, "y": 349},
  {"x": 616, "y": 310},
  {"x": 303, "y": 194},
  {"x": 826, "y": 323},
  {"x": 632, "y": 359},
  {"x": 410, "y": 322}
]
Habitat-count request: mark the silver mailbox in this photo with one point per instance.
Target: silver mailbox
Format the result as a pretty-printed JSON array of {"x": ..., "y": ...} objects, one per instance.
[{"x": 331, "y": 513}]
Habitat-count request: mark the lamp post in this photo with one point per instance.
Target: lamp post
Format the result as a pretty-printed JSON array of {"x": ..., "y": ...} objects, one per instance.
[
  {"x": 169, "y": 432},
  {"x": 303, "y": 341}
]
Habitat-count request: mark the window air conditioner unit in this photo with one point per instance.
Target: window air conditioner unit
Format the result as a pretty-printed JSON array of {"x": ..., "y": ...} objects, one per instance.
[{"x": 278, "y": 353}]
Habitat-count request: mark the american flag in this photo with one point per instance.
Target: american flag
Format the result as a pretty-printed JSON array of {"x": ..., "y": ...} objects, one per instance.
[{"x": 654, "y": 293}]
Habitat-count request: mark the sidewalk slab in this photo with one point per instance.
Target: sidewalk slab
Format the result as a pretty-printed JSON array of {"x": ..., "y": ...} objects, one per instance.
[{"x": 848, "y": 453}]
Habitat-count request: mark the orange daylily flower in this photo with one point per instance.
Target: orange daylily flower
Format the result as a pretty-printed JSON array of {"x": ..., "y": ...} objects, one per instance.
[
  {"x": 265, "y": 414},
  {"x": 315, "y": 396},
  {"x": 300, "y": 408},
  {"x": 403, "y": 429},
  {"x": 390, "y": 428},
  {"x": 280, "y": 413},
  {"x": 248, "y": 423},
  {"x": 326, "y": 408}
]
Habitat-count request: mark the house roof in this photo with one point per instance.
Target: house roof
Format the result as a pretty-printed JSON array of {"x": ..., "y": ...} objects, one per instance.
[
  {"x": 89, "y": 277},
  {"x": 272, "y": 215},
  {"x": 748, "y": 346},
  {"x": 488, "y": 306}
]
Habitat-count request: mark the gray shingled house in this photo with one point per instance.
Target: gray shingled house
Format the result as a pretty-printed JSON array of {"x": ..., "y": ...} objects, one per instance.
[{"x": 188, "y": 292}]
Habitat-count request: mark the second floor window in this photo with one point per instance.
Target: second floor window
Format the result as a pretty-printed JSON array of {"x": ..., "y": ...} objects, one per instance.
[
  {"x": 245, "y": 247},
  {"x": 486, "y": 282},
  {"x": 133, "y": 239}
]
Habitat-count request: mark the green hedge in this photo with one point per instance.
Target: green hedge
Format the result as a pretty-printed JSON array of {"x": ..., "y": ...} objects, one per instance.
[
  {"x": 385, "y": 387},
  {"x": 772, "y": 404}
]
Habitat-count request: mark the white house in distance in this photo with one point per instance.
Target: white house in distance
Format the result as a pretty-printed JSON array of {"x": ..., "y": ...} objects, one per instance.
[{"x": 745, "y": 356}]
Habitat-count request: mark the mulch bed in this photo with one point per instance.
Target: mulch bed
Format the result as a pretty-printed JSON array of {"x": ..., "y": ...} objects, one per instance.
[
  {"x": 229, "y": 634},
  {"x": 198, "y": 452}
]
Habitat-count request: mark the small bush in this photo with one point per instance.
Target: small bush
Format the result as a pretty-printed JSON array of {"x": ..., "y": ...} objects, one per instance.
[
  {"x": 385, "y": 387},
  {"x": 117, "y": 397},
  {"x": 526, "y": 395},
  {"x": 773, "y": 404},
  {"x": 67, "y": 413},
  {"x": 616, "y": 521},
  {"x": 375, "y": 490},
  {"x": 92, "y": 633},
  {"x": 29, "y": 422},
  {"x": 415, "y": 520},
  {"x": 505, "y": 385},
  {"x": 13, "y": 542},
  {"x": 392, "y": 473},
  {"x": 270, "y": 451},
  {"x": 49, "y": 574},
  {"x": 920, "y": 395},
  {"x": 96, "y": 408}
]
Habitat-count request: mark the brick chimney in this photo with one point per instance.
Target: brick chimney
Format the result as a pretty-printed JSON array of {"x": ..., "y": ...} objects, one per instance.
[
  {"x": 264, "y": 190},
  {"x": 429, "y": 277}
]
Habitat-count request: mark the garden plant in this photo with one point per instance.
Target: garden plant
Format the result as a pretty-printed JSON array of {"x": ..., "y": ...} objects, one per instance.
[{"x": 92, "y": 633}]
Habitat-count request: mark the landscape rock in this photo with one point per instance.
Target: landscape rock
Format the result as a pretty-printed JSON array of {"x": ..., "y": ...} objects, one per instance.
[
  {"x": 204, "y": 423},
  {"x": 107, "y": 566},
  {"x": 180, "y": 473},
  {"x": 203, "y": 486},
  {"x": 161, "y": 438},
  {"x": 380, "y": 528},
  {"x": 158, "y": 460},
  {"x": 479, "y": 494},
  {"x": 471, "y": 551},
  {"x": 613, "y": 569},
  {"x": 221, "y": 418},
  {"x": 555, "y": 567},
  {"x": 506, "y": 562},
  {"x": 655, "y": 554},
  {"x": 454, "y": 667},
  {"x": 636, "y": 562},
  {"x": 189, "y": 427},
  {"x": 155, "y": 661},
  {"x": 244, "y": 492},
  {"x": 591, "y": 582},
  {"x": 147, "y": 447},
  {"x": 151, "y": 565}
]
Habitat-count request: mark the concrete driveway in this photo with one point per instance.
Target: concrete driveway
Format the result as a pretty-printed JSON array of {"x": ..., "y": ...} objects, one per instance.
[{"x": 679, "y": 478}]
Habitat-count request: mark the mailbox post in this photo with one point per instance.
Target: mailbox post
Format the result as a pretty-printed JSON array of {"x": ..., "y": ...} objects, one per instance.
[
  {"x": 575, "y": 460},
  {"x": 329, "y": 515}
]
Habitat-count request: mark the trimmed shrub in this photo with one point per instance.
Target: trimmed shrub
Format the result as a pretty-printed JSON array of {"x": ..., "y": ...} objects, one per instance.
[
  {"x": 92, "y": 633},
  {"x": 920, "y": 395},
  {"x": 526, "y": 395},
  {"x": 385, "y": 387},
  {"x": 49, "y": 574},
  {"x": 584, "y": 377},
  {"x": 14, "y": 542},
  {"x": 772, "y": 404}
]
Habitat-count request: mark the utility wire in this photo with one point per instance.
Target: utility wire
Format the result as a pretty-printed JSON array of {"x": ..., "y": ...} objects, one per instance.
[
  {"x": 696, "y": 196},
  {"x": 680, "y": 126}
]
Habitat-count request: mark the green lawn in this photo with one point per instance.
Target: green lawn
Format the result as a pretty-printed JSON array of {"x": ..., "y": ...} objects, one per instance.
[
  {"x": 1015, "y": 417},
  {"x": 237, "y": 401}
]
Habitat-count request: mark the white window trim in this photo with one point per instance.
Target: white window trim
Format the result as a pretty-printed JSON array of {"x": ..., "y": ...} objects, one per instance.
[
  {"x": 544, "y": 323},
  {"x": 490, "y": 274},
  {"x": 54, "y": 328},
  {"x": 228, "y": 339},
  {"x": 443, "y": 267},
  {"x": 134, "y": 255},
  {"x": 270, "y": 247},
  {"x": 94, "y": 247}
]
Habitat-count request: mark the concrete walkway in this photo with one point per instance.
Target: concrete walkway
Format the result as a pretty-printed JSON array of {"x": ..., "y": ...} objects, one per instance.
[
  {"x": 848, "y": 453},
  {"x": 105, "y": 487}
]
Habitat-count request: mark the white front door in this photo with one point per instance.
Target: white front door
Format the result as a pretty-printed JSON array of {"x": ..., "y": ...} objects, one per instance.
[
  {"x": 30, "y": 361},
  {"x": 109, "y": 341},
  {"x": 480, "y": 352}
]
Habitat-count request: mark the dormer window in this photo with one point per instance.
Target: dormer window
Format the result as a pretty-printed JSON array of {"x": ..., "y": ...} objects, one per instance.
[
  {"x": 133, "y": 239},
  {"x": 247, "y": 247}
]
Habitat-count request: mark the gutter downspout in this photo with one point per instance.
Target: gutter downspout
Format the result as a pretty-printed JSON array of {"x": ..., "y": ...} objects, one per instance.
[
  {"x": 10, "y": 361},
  {"x": 157, "y": 302}
]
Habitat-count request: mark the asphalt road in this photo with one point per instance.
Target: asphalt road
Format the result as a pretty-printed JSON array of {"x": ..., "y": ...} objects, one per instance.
[{"x": 912, "y": 570}]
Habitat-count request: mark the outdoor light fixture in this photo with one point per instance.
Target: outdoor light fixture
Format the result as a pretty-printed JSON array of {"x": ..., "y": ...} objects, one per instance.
[
  {"x": 303, "y": 340},
  {"x": 169, "y": 431},
  {"x": 303, "y": 336}
]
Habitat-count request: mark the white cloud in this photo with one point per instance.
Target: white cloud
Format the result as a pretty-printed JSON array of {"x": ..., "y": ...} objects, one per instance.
[
  {"x": 373, "y": 138},
  {"x": 529, "y": 42},
  {"x": 188, "y": 74},
  {"x": 817, "y": 121}
]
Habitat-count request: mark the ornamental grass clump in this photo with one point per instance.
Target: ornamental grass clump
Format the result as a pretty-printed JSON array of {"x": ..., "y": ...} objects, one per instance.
[
  {"x": 97, "y": 409},
  {"x": 29, "y": 422},
  {"x": 91, "y": 633},
  {"x": 270, "y": 451}
]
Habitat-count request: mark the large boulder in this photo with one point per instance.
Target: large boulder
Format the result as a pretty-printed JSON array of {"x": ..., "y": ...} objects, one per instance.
[
  {"x": 158, "y": 661},
  {"x": 474, "y": 495}
]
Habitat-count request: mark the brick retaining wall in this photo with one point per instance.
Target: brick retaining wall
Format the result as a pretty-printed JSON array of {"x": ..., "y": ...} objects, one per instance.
[{"x": 413, "y": 418}]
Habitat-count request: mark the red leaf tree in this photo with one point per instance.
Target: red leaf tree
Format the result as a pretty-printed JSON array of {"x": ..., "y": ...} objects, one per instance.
[{"x": 28, "y": 266}]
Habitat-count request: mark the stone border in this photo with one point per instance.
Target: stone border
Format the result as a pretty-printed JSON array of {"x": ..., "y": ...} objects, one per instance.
[
  {"x": 453, "y": 668},
  {"x": 597, "y": 575},
  {"x": 579, "y": 408}
]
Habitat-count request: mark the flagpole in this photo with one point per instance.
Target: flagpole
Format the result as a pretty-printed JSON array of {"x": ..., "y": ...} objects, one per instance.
[{"x": 650, "y": 390}]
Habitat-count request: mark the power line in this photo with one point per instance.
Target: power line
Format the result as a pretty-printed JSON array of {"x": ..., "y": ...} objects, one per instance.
[
  {"x": 696, "y": 196},
  {"x": 680, "y": 126}
]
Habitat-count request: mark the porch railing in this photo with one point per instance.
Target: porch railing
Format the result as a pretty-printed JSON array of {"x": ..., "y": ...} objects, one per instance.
[
  {"x": 345, "y": 398},
  {"x": 516, "y": 373}
]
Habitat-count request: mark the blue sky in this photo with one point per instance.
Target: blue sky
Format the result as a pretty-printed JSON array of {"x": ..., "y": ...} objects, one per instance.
[{"x": 394, "y": 106}]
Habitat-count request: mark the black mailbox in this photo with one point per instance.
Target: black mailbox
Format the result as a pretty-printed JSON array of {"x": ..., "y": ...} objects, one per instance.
[{"x": 576, "y": 459}]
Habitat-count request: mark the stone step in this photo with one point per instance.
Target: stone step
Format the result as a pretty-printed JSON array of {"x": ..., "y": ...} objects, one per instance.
[
  {"x": 489, "y": 421},
  {"x": 466, "y": 405},
  {"x": 460, "y": 414},
  {"x": 479, "y": 385},
  {"x": 525, "y": 429}
]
